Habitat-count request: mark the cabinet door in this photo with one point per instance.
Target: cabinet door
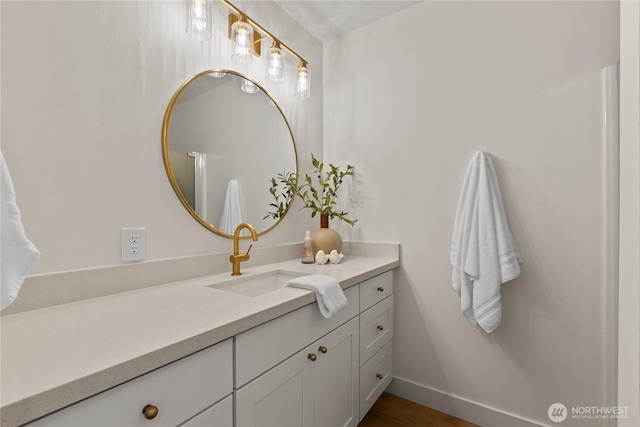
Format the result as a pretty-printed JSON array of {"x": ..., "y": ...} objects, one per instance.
[
  {"x": 336, "y": 377},
  {"x": 316, "y": 387},
  {"x": 281, "y": 397}
]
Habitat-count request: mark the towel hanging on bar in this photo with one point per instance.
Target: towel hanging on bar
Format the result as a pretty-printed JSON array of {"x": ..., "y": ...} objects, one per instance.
[{"x": 483, "y": 253}]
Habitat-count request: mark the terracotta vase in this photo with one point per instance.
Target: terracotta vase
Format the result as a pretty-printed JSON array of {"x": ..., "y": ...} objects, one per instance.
[{"x": 325, "y": 238}]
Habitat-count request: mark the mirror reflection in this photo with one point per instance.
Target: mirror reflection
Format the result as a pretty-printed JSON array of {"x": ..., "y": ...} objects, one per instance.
[{"x": 226, "y": 147}]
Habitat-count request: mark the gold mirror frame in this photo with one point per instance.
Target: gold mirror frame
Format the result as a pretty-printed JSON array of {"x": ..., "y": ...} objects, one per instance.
[{"x": 167, "y": 162}]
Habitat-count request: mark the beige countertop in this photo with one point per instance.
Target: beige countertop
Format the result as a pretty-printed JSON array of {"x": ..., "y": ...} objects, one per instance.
[{"x": 56, "y": 356}]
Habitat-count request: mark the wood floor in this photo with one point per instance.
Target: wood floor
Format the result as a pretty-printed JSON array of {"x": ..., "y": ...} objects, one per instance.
[{"x": 394, "y": 411}]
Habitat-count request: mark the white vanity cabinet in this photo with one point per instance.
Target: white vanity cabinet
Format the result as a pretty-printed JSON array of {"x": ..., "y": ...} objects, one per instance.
[
  {"x": 195, "y": 390},
  {"x": 299, "y": 369},
  {"x": 376, "y": 332},
  {"x": 303, "y": 383}
]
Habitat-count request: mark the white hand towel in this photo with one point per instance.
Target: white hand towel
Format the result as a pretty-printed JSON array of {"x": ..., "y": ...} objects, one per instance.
[
  {"x": 483, "y": 253},
  {"x": 18, "y": 256},
  {"x": 329, "y": 294},
  {"x": 231, "y": 213}
]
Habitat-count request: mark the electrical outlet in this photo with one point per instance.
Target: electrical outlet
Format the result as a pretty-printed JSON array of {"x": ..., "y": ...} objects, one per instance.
[{"x": 133, "y": 244}]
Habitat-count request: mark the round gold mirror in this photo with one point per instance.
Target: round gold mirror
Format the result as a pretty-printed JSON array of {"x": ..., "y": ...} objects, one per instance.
[{"x": 229, "y": 152}]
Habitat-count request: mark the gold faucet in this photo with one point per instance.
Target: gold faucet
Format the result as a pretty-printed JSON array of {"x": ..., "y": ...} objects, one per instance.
[{"x": 237, "y": 257}]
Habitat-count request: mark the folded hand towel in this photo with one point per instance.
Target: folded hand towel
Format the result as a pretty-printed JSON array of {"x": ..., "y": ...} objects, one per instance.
[
  {"x": 329, "y": 294},
  {"x": 483, "y": 253},
  {"x": 18, "y": 256}
]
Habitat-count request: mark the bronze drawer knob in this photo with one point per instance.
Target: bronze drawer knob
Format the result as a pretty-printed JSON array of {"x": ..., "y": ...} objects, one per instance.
[{"x": 150, "y": 412}]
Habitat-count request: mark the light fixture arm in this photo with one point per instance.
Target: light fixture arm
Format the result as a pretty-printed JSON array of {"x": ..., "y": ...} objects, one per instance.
[{"x": 258, "y": 37}]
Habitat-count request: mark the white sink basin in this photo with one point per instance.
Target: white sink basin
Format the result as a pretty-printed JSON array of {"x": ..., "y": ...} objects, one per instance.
[{"x": 253, "y": 285}]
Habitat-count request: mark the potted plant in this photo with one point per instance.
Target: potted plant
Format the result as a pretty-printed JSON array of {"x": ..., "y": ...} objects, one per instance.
[{"x": 320, "y": 196}]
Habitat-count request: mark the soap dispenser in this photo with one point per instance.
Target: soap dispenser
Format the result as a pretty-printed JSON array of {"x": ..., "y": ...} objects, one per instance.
[{"x": 307, "y": 251}]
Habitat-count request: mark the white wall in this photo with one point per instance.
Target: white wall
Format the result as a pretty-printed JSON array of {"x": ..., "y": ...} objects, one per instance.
[
  {"x": 84, "y": 89},
  {"x": 408, "y": 100},
  {"x": 629, "y": 308}
]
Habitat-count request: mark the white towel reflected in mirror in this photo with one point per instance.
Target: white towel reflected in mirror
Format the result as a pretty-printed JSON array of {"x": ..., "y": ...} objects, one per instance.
[
  {"x": 231, "y": 213},
  {"x": 18, "y": 256}
]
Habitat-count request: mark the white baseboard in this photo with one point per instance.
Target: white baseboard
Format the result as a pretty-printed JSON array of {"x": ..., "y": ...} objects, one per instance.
[{"x": 456, "y": 406}]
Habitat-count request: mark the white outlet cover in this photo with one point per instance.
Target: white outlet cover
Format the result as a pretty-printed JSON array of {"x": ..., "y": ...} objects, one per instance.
[{"x": 133, "y": 244}]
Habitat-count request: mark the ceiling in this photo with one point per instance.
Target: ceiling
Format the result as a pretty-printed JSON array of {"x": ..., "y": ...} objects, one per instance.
[{"x": 328, "y": 19}]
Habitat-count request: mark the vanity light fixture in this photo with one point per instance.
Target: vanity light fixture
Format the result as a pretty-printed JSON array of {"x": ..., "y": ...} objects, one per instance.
[
  {"x": 199, "y": 19},
  {"x": 242, "y": 36},
  {"x": 303, "y": 81},
  {"x": 240, "y": 28},
  {"x": 275, "y": 69}
]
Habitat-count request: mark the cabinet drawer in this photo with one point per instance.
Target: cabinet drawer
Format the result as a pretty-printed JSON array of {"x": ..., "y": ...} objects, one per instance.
[
  {"x": 264, "y": 346},
  {"x": 376, "y": 328},
  {"x": 219, "y": 415},
  {"x": 375, "y": 376},
  {"x": 179, "y": 390},
  {"x": 376, "y": 289}
]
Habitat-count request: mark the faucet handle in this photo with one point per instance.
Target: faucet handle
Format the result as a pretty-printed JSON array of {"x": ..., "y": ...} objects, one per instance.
[{"x": 250, "y": 246}]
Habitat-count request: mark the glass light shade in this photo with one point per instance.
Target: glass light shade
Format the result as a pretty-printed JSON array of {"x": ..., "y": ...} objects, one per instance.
[
  {"x": 242, "y": 36},
  {"x": 275, "y": 70},
  {"x": 248, "y": 87},
  {"x": 303, "y": 83},
  {"x": 199, "y": 20}
]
